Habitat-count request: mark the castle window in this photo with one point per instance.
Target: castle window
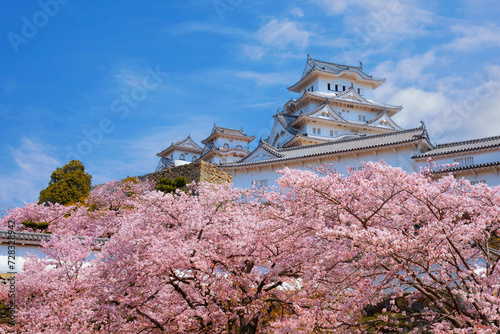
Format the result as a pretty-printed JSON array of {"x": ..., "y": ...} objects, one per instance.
[
  {"x": 182, "y": 157},
  {"x": 333, "y": 132},
  {"x": 329, "y": 88},
  {"x": 239, "y": 146},
  {"x": 259, "y": 183},
  {"x": 336, "y": 88},
  {"x": 362, "y": 118},
  {"x": 314, "y": 130},
  {"x": 360, "y": 91},
  {"x": 194, "y": 158},
  {"x": 318, "y": 131},
  {"x": 226, "y": 145},
  {"x": 343, "y": 88},
  {"x": 465, "y": 162}
]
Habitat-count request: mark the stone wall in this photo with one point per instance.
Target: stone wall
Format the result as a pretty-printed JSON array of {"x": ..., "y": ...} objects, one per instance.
[{"x": 199, "y": 171}]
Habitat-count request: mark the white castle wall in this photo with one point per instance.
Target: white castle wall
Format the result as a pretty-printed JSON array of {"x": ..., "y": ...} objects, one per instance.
[{"x": 245, "y": 179}]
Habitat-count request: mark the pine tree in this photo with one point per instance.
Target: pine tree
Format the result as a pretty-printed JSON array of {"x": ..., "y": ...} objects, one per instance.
[
  {"x": 170, "y": 186},
  {"x": 69, "y": 184}
]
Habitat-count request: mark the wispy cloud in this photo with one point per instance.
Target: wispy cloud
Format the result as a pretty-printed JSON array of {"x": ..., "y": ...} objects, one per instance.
[
  {"x": 331, "y": 7},
  {"x": 253, "y": 52},
  {"x": 375, "y": 27},
  {"x": 282, "y": 34},
  {"x": 139, "y": 154},
  {"x": 34, "y": 163},
  {"x": 263, "y": 79},
  {"x": 454, "y": 107},
  {"x": 474, "y": 37},
  {"x": 193, "y": 27},
  {"x": 264, "y": 104},
  {"x": 297, "y": 12},
  {"x": 414, "y": 70}
]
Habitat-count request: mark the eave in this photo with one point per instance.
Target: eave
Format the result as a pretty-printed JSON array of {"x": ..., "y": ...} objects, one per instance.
[
  {"x": 173, "y": 148},
  {"x": 307, "y": 97},
  {"x": 413, "y": 137},
  {"x": 495, "y": 166},
  {"x": 315, "y": 72},
  {"x": 302, "y": 141},
  {"x": 216, "y": 135},
  {"x": 304, "y": 119}
]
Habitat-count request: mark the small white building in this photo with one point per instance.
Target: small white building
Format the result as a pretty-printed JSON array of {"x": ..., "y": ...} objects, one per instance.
[
  {"x": 179, "y": 153},
  {"x": 223, "y": 145},
  {"x": 336, "y": 120}
]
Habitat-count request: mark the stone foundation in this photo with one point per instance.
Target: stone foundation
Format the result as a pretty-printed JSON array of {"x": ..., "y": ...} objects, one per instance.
[{"x": 199, "y": 171}]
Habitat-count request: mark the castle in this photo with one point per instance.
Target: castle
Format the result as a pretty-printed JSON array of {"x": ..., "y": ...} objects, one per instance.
[{"x": 335, "y": 120}]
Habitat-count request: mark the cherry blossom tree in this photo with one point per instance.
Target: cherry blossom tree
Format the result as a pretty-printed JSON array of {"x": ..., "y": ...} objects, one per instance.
[
  {"x": 402, "y": 235},
  {"x": 313, "y": 257}
]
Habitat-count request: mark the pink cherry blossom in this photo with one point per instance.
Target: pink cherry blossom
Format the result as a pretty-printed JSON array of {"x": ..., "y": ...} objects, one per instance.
[{"x": 311, "y": 257}]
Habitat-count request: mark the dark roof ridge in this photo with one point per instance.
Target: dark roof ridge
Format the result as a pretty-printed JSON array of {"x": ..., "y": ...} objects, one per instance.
[
  {"x": 461, "y": 168},
  {"x": 352, "y": 139},
  {"x": 337, "y": 64},
  {"x": 469, "y": 141}
]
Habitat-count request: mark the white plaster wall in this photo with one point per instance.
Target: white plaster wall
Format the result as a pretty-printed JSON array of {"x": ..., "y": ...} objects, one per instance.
[
  {"x": 479, "y": 157},
  {"x": 401, "y": 158},
  {"x": 22, "y": 253},
  {"x": 488, "y": 176},
  {"x": 188, "y": 156},
  {"x": 310, "y": 107},
  {"x": 232, "y": 143},
  {"x": 321, "y": 84}
]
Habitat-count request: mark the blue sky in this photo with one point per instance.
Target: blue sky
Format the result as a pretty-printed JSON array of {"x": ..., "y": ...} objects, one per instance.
[{"x": 114, "y": 82}]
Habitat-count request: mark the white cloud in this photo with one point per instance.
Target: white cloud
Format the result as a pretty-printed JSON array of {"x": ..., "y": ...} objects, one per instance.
[
  {"x": 332, "y": 7},
  {"x": 5, "y": 260},
  {"x": 277, "y": 103},
  {"x": 253, "y": 52},
  {"x": 419, "y": 105},
  {"x": 297, "y": 12},
  {"x": 263, "y": 79},
  {"x": 409, "y": 70},
  {"x": 283, "y": 34},
  {"x": 192, "y": 27},
  {"x": 453, "y": 107},
  {"x": 139, "y": 155},
  {"x": 474, "y": 37},
  {"x": 374, "y": 27},
  {"x": 35, "y": 163}
]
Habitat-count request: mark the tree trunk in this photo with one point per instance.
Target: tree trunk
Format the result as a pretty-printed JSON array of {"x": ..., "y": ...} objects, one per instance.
[{"x": 248, "y": 326}]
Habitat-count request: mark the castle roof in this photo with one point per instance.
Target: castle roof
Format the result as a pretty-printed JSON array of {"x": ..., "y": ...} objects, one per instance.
[
  {"x": 350, "y": 96},
  {"x": 218, "y": 131},
  {"x": 461, "y": 147},
  {"x": 186, "y": 144},
  {"x": 476, "y": 167},
  {"x": 315, "y": 67},
  {"x": 304, "y": 119},
  {"x": 275, "y": 155}
]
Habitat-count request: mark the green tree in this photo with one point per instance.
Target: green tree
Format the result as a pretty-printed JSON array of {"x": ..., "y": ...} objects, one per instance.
[
  {"x": 69, "y": 184},
  {"x": 168, "y": 186}
]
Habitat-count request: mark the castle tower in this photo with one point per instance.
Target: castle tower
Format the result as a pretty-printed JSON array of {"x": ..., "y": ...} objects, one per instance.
[
  {"x": 225, "y": 145},
  {"x": 336, "y": 103}
]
